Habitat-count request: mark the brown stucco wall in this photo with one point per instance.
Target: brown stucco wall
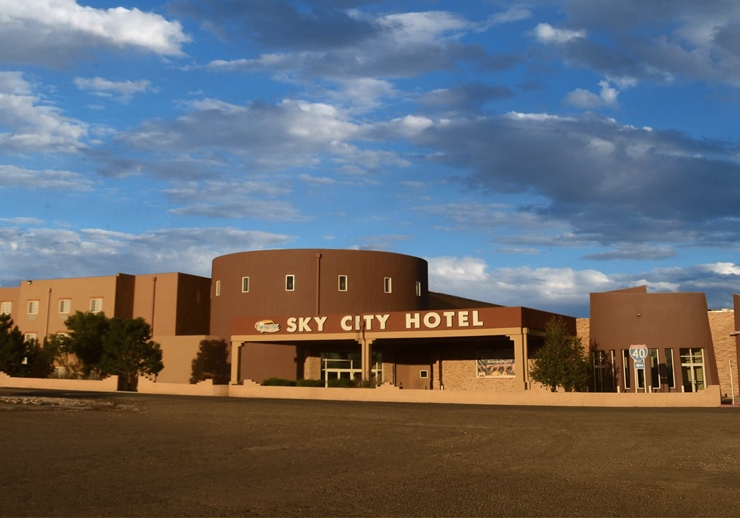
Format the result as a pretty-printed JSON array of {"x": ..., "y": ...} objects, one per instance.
[
  {"x": 658, "y": 320},
  {"x": 313, "y": 294},
  {"x": 722, "y": 323}
]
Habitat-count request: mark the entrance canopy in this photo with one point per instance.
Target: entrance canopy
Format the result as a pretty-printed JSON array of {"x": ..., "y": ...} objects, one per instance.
[{"x": 401, "y": 327}]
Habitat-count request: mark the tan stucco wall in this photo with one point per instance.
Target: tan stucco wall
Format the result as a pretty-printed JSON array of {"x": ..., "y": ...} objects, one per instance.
[{"x": 178, "y": 353}]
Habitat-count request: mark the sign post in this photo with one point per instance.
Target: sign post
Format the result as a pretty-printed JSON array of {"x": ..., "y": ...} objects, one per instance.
[{"x": 639, "y": 353}]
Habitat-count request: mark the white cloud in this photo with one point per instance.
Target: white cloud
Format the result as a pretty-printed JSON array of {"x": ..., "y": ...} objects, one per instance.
[
  {"x": 44, "y": 253},
  {"x": 121, "y": 90},
  {"x": 586, "y": 100},
  {"x": 54, "y": 31},
  {"x": 546, "y": 33},
  {"x": 567, "y": 290},
  {"x": 33, "y": 126},
  {"x": 12, "y": 176}
]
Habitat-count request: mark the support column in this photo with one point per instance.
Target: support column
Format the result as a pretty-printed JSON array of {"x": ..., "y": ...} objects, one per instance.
[
  {"x": 235, "y": 357},
  {"x": 520, "y": 384},
  {"x": 367, "y": 359}
]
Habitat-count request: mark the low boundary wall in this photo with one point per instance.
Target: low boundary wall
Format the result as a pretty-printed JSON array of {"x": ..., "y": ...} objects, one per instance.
[
  {"x": 107, "y": 385},
  {"x": 709, "y": 397}
]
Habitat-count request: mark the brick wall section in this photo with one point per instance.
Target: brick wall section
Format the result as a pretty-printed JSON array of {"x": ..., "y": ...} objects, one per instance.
[
  {"x": 460, "y": 375},
  {"x": 722, "y": 323},
  {"x": 583, "y": 331}
]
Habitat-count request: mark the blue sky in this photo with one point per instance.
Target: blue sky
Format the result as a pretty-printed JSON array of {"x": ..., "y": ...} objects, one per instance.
[{"x": 531, "y": 152}]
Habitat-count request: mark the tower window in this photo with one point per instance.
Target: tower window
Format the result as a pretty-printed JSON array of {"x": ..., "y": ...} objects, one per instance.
[
  {"x": 387, "y": 285},
  {"x": 289, "y": 282},
  {"x": 245, "y": 284},
  {"x": 342, "y": 283}
]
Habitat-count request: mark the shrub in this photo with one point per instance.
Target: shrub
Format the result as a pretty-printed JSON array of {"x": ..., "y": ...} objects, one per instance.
[
  {"x": 309, "y": 383},
  {"x": 278, "y": 382},
  {"x": 341, "y": 383}
]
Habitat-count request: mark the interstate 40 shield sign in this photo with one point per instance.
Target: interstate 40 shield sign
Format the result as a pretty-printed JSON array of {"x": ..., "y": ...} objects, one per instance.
[{"x": 639, "y": 353}]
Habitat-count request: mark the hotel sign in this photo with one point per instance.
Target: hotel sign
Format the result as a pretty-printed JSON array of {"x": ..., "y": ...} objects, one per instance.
[{"x": 454, "y": 319}]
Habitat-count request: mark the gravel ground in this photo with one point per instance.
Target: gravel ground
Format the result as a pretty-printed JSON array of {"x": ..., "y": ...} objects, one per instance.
[{"x": 67, "y": 454}]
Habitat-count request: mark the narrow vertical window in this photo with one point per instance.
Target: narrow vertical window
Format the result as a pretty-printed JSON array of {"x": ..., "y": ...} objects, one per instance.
[
  {"x": 613, "y": 366},
  {"x": 96, "y": 305},
  {"x": 218, "y": 288},
  {"x": 342, "y": 283},
  {"x": 33, "y": 307},
  {"x": 626, "y": 367},
  {"x": 245, "y": 284},
  {"x": 64, "y": 306},
  {"x": 654, "y": 369},
  {"x": 289, "y": 282},
  {"x": 418, "y": 288},
  {"x": 387, "y": 285},
  {"x": 670, "y": 378}
]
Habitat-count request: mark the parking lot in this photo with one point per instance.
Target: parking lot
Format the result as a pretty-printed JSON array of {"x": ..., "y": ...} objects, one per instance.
[{"x": 135, "y": 455}]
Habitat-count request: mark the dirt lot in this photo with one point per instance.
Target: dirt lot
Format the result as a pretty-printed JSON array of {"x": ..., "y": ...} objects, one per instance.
[{"x": 133, "y": 455}]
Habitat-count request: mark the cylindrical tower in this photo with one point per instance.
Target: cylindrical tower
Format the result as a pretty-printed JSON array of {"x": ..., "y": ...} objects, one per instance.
[{"x": 309, "y": 282}]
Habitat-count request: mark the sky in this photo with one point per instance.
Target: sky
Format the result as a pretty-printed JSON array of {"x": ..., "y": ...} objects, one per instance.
[{"x": 531, "y": 152}]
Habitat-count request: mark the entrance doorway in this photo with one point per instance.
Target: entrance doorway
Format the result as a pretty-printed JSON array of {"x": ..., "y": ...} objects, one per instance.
[
  {"x": 348, "y": 366},
  {"x": 692, "y": 368}
]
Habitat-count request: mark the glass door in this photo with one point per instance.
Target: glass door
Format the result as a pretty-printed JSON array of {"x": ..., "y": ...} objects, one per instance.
[{"x": 692, "y": 369}]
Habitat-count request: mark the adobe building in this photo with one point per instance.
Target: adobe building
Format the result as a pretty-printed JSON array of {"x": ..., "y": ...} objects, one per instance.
[
  {"x": 176, "y": 306},
  {"x": 683, "y": 338},
  {"x": 323, "y": 314},
  {"x": 326, "y": 314}
]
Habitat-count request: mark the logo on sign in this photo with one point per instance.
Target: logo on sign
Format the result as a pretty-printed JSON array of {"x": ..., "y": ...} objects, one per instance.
[
  {"x": 639, "y": 353},
  {"x": 267, "y": 326}
]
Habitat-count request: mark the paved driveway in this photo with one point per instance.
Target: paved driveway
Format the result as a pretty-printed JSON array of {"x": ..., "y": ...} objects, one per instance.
[{"x": 135, "y": 455}]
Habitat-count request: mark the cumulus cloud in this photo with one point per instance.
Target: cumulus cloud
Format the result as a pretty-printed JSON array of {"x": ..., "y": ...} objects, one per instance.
[
  {"x": 546, "y": 33},
  {"x": 566, "y": 290},
  {"x": 13, "y": 176},
  {"x": 41, "y": 253},
  {"x": 357, "y": 45},
  {"x": 650, "y": 40},
  {"x": 53, "y": 32},
  {"x": 29, "y": 125},
  {"x": 610, "y": 182},
  {"x": 119, "y": 90},
  {"x": 587, "y": 100}
]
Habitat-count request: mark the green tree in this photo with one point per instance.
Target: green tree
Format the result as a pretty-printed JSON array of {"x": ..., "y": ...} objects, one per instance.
[
  {"x": 87, "y": 332},
  {"x": 562, "y": 361},
  {"x": 128, "y": 351},
  {"x": 211, "y": 363},
  {"x": 60, "y": 348},
  {"x": 20, "y": 357}
]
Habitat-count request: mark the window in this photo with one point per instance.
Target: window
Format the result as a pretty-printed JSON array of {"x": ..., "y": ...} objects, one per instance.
[
  {"x": 245, "y": 284},
  {"x": 423, "y": 374},
  {"x": 387, "y": 285},
  {"x": 33, "y": 307},
  {"x": 626, "y": 367},
  {"x": 218, "y": 288},
  {"x": 96, "y": 305},
  {"x": 418, "y": 288},
  {"x": 670, "y": 378},
  {"x": 65, "y": 305},
  {"x": 342, "y": 283},
  {"x": 289, "y": 282},
  {"x": 5, "y": 308},
  {"x": 29, "y": 336},
  {"x": 654, "y": 369}
]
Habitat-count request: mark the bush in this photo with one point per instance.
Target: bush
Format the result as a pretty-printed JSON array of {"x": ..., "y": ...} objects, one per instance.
[
  {"x": 309, "y": 383},
  {"x": 341, "y": 383},
  {"x": 278, "y": 382}
]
